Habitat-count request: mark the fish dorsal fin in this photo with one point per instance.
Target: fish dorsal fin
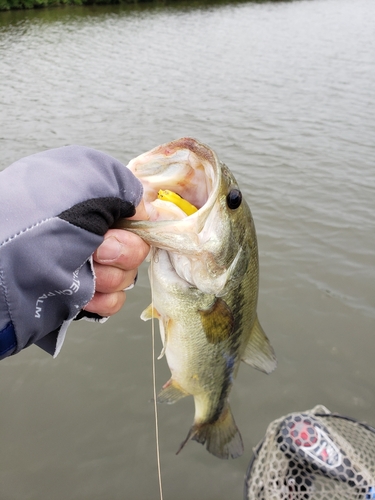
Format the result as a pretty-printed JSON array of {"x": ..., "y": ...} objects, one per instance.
[
  {"x": 259, "y": 353},
  {"x": 171, "y": 392},
  {"x": 217, "y": 321}
]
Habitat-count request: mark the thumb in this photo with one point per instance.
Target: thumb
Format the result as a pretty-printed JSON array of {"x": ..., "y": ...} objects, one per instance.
[{"x": 121, "y": 249}]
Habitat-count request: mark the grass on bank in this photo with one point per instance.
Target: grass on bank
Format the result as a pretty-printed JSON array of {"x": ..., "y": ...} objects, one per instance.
[
  {"x": 35, "y": 4},
  {"x": 32, "y": 4}
]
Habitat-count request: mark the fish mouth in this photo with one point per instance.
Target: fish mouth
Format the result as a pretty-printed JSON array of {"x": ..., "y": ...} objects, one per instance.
[{"x": 185, "y": 168}]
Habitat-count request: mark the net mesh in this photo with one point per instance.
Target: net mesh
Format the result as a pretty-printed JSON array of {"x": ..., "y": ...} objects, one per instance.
[{"x": 314, "y": 455}]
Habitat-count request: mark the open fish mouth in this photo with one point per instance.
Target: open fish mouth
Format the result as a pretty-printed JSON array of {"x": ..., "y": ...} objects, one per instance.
[{"x": 183, "y": 167}]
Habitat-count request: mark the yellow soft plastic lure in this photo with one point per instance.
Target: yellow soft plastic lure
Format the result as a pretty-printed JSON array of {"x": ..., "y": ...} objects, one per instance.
[{"x": 180, "y": 202}]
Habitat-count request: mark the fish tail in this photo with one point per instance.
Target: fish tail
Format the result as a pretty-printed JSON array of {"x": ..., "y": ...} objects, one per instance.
[{"x": 222, "y": 437}]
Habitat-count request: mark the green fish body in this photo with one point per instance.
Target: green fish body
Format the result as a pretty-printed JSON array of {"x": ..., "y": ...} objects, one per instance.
[{"x": 205, "y": 276}]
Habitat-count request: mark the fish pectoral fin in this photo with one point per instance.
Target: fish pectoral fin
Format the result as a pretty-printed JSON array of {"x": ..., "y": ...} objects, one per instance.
[
  {"x": 162, "y": 352},
  {"x": 171, "y": 392},
  {"x": 149, "y": 313},
  {"x": 222, "y": 437},
  {"x": 259, "y": 353},
  {"x": 217, "y": 321}
]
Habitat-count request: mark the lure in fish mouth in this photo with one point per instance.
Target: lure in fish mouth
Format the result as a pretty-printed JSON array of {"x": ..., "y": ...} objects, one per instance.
[{"x": 205, "y": 277}]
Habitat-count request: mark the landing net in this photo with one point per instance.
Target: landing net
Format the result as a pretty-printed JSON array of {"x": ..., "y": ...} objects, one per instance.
[{"x": 313, "y": 455}]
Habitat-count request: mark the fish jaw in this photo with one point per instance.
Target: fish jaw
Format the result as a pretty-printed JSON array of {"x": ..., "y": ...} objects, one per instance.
[{"x": 209, "y": 250}]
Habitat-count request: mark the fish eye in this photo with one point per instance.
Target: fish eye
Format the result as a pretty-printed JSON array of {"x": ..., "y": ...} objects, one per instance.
[{"x": 234, "y": 199}]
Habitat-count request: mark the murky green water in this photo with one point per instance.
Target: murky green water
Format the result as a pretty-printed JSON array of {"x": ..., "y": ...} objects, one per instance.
[{"x": 284, "y": 93}]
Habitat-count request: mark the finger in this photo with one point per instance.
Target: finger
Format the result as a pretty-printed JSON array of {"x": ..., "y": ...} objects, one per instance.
[
  {"x": 140, "y": 213},
  {"x": 122, "y": 249},
  {"x": 106, "y": 304},
  {"x": 112, "y": 279}
]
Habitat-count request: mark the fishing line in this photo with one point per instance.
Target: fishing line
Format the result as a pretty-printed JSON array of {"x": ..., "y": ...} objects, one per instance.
[{"x": 154, "y": 379}]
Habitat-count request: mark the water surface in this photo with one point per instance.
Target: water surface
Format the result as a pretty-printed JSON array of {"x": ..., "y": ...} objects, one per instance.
[{"x": 284, "y": 93}]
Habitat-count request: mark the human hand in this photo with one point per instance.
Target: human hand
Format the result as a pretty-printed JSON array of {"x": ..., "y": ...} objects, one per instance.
[
  {"x": 57, "y": 207},
  {"x": 115, "y": 265}
]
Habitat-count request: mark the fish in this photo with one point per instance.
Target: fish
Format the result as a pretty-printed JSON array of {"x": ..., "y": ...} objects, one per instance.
[{"x": 204, "y": 274}]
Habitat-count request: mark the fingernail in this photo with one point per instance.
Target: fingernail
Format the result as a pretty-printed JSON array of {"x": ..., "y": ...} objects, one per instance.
[
  {"x": 110, "y": 249},
  {"x": 133, "y": 284}
]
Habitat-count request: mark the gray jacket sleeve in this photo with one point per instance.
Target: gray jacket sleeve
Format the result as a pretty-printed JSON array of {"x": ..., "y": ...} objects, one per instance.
[{"x": 55, "y": 207}]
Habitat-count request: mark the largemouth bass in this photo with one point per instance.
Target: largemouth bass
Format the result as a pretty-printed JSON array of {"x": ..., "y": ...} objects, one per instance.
[{"x": 204, "y": 273}]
